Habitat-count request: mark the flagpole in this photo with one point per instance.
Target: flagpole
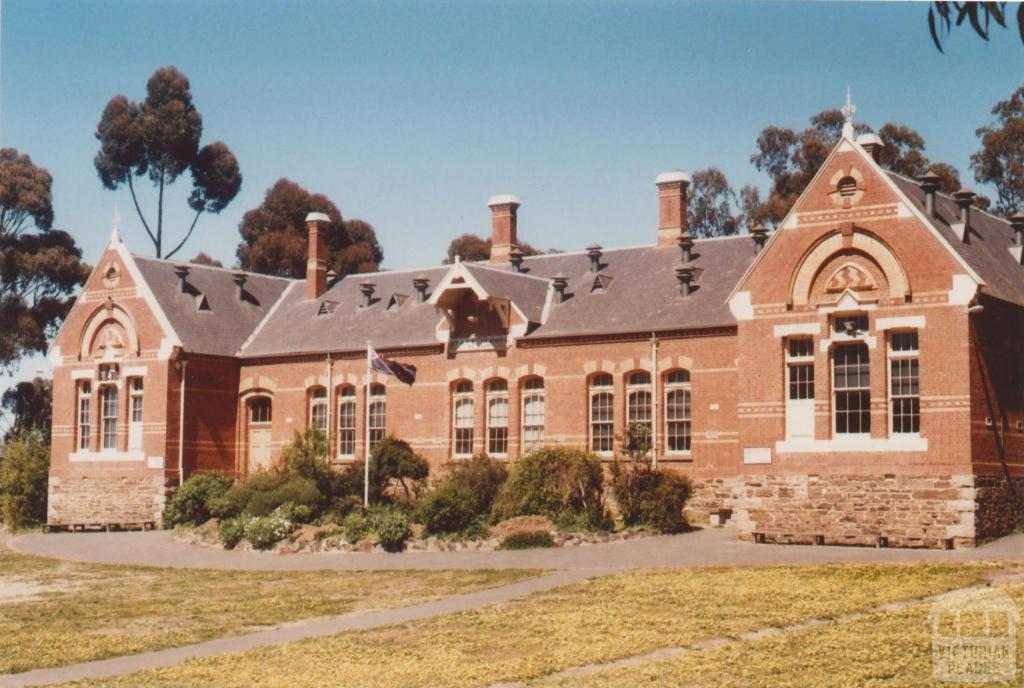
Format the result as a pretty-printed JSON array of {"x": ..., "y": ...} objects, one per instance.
[{"x": 366, "y": 452}]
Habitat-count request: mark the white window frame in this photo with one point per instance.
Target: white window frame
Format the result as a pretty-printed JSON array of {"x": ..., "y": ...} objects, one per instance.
[
  {"x": 84, "y": 435},
  {"x": 533, "y": 419},
  {"x": 136, "y": 409},
  {"x": 108, "y": 420},
  {"x": 259, "y": 400},
  {"x": 634, "y": 390},
  {"x": 836, "y": 392},
  {"x": 377, "y": 418},
  {"x": 463, "y": 419},
  {"x": 347, "y": 430},
  {"x": 675, "y": 387},
  {"x": 497, "y": 424},
  {"x": 596, "y": 391},
  {"x": 903, "y": 355},
  {"x": 318, "y": 409}
]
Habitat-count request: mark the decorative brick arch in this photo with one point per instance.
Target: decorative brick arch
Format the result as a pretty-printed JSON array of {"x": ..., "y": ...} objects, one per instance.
[
  {"x": 103, "y": 321},
  {"x": 829, "y": 245}
]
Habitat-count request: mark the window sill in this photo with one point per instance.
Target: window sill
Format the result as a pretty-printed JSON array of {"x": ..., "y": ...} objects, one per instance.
[
  {"x": 899, "y": 443},
  {"x": 107, "y": 455}
]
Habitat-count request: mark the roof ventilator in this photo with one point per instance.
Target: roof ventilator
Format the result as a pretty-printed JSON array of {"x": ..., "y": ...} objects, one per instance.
[
  {"x": 367, "y": 289},
  {"x": 963, "y": 198},
  {"x": 560, "y": 282}
]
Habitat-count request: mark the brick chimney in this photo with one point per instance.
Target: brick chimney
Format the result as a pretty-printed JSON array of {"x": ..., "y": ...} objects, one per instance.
[
  {"x": 671, "y": 206},
  {"x": 872, "y": 143},
  {"x": 503, "y": 227},
  {"x": 316, "y": 255}
]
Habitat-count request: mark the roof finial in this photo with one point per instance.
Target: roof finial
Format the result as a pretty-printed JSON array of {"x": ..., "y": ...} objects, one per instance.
[
  {"x": 848, "y": 111},
  {"x": 115, "y": 235}
]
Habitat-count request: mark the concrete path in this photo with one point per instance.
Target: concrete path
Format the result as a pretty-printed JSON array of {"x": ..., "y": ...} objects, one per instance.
[
  {"x": 707, "y": 547},
  {"x": 287, "y": 633}
]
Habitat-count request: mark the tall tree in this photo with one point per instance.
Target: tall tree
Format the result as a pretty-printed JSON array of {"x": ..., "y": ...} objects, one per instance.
[
  {"x": 944, "y": 15},
  {"x": 274, "y": 235},
  {"x": 27, "y": 407},
  {"x": 159, "y": 138},
  {"x": 203, "y": 258},
  {"x": 1000, "y": 162},
  {"x": 710, "y": 209},
  {"x": 791, "y": 159},
  {"x": 38, "y": 269},
  {"x": 470, "y": 247}
]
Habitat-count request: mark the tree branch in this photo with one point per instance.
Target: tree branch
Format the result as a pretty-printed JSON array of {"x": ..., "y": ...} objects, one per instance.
[
  {"x": 182, "y": 243},
  {"x": 131, "y": 187}
]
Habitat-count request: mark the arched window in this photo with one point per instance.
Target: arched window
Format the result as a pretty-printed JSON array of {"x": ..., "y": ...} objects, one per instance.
[
  {"x": 108, "y": 413},
  {"x": 318, "y": 408},
  {"x": 462, "y": 419},
  {"x": 347, "y": 422},
  {"x": 533, "y": 413},
  {"x": 639, "y": 402},
  {"x": 602, "y": 416},
  {"x": 259, "y": 411},
  {"x": 677, "y": 412},
  {"x": 377, "y": 413},
  {"x": 84, "y": 415},
  {"x": 497, "y": 418}
]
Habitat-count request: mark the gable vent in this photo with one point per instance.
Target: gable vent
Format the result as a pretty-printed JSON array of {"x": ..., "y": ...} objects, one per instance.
[
  {"x": 201, "y": 303},
  {"x": 326, "y": 307},
  {"x": 396, "y": 301},
  {"x": 601, "y": 284}
]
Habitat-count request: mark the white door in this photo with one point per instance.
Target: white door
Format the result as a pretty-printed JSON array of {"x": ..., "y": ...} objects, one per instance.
[
  {"x": 800, "y": 402},
  {"x": 259, "y": 449}
]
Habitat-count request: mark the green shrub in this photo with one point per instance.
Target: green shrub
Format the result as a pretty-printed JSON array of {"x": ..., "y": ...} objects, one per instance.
[
  {"x": 527, "y": 539},
  {"x": 264, "y": 492},
  {"x": 392, "y": 528},
  {"x": 449, "y": 508},
  {"x": 231, "y": 531},
  {"x": 307, "y": 457},
  {"x": 356, "y": 526},
  {"x": 190, "y": 505},
  {"x": 393, "y": 464},
  {"x": 562, "y": 483},
  {"x": 263, "y": 532},
  {"x": 296, "y": 513},
  {"x": 24, "y": 471},
  {"x": 341, "y": 508},
  {"x": 651, "y": 496}
]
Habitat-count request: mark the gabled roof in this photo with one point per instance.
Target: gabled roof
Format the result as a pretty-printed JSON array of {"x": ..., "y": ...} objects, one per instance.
[
  {"x": 987, "y": 249},
  {"x": 228, "y": 321},
  {"x": 527, "y": 292}
]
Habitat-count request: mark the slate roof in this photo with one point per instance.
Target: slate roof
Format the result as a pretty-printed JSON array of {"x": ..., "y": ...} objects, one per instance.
[
  {"x": 223, "y": 328},
  {"x": 528, "y": 292},
  {"x": 988, "y": 249}
]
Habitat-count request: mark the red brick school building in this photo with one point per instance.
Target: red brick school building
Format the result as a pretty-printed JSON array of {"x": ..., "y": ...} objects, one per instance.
[{"x": 856, "y": 377}]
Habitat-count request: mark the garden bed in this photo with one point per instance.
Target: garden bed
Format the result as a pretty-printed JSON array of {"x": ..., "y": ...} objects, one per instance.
[{"x": 330, "y": 538}]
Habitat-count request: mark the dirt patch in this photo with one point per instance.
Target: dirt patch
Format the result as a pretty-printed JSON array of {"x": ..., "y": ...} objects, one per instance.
[{"x": 14, "y": 590}]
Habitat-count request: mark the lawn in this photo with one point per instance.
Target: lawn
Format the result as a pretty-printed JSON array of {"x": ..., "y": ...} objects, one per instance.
[
  {"x": 54, "y": 613},
  {"x": 593, "y": 621},
  {"x": 884, "y": 649}
]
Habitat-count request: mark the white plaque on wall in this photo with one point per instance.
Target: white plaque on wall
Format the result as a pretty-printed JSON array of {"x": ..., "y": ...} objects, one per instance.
[
  {"x": 757, "y": 455},
  {"x": 155, "y": 462}
]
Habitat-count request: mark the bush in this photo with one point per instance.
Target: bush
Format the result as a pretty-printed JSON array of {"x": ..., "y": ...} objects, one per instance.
[
  {"x": 356, "y": 526},
  {"x": 392, "y": 528},
  {"x": 450, "y": 508},
  {"x": 24, "y": 471},
  {"x": 190, "y": 505},
  {"x": 561, "y": 483},
  {"x": 392, "y": 463},
  {"x": 263, "y": 532},
  {"x": 651, "y": 496},
  {"x": 231, "y": 531},
  {"x": 528, "y": 540},
  {"x": 306, "y": 457},
  {"x": 264, "y": 492}
]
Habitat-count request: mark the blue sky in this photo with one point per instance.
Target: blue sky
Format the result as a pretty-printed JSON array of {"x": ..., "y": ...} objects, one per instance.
[{"x": 410, "y": 115}]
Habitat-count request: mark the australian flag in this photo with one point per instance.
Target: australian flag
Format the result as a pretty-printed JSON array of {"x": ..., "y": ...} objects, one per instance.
[{"x": 403, "y": 371}]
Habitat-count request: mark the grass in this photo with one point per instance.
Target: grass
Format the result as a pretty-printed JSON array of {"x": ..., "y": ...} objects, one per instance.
[
  {"x": 62, "y": 612},
  {"x": 883, "y": 649},
  {"x": 593, "y": 621}
]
